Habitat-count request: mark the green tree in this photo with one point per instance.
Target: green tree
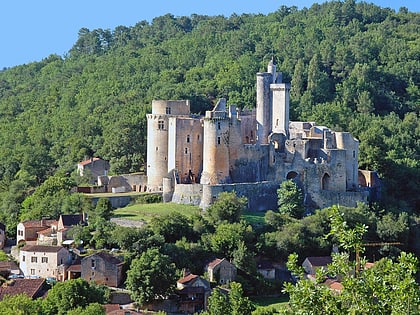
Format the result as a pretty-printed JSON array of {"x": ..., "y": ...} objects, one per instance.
[
  {"x": 91, "y": 309},
  {"x": 290, "y": 199},
  {"x": 228, "y": 207},
  {"x": 218, "y": 304},
  {"x": 151, "y": 276},
  {"x": 173, "y": 226},
  {"x": 239, "y": 304},
  {"x": 19, "y": 304},
  {"x": 68, "y": 295}
]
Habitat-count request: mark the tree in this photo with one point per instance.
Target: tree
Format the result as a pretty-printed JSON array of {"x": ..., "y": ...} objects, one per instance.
[
  {"x": 150, "y": 277},
  {"x": 386, "y": 288},
  {"x": 290, "y": 199},
  {"x": 103, "y": 209},
  {"x": 239, "y": 304},
  {"x": 227, "y": 238},
  {"x": 20, "y": 304},
  {"x": 68, "y": 295},
  {"x": 218, "y": 304},
  {"x": 91, "y": 309},
  {"x": 228, "y": 207},
  {"x": 173, "y": 226}
]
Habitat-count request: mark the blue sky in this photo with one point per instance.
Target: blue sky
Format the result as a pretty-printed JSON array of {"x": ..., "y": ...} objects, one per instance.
[{"x": 32, "y": 30}]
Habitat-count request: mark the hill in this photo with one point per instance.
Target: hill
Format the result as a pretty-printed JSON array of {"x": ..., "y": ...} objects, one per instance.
[{"x": 353, "y": 66}]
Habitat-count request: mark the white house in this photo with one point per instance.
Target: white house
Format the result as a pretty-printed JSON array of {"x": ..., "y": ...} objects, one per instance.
[{"x": 43, "y": 261}]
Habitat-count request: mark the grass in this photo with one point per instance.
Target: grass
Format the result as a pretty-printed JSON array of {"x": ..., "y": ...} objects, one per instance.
[
  {"x": 276, "y": 302},
  {"x": 145, "y": 212},
  {"x": 254, "y": 218}
]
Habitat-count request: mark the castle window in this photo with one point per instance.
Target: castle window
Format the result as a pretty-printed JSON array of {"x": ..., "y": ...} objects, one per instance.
[
  {"x": 44, "y": 259},
  {"x": 168, "y": 110},
  {"x": 188, "y": 138},
  {"x": 354, "y": 154},
  {"x": 161, "y": 125},
  {"x": 198, "y": 138},
  {"x": 34, "y": 259},
  {"x": 218, "y": 140},
  {"x": 218, "y": 125},
  {"x": 186, "y": 150}
]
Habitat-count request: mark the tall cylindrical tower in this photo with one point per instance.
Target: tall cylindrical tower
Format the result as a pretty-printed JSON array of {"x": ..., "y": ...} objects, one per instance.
[
  {"x": 263, "y": 114},
  {"x": 157, "y": 139},
  {"x": 216, "y": 146},
  {"x": 157, "y": 150},
  {"x": 347, "y": 142}
]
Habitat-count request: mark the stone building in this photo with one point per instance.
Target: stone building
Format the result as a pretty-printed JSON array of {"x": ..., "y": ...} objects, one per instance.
[
  {"x": 102, "y": 268},
  {"x": 192, "y": 159}
]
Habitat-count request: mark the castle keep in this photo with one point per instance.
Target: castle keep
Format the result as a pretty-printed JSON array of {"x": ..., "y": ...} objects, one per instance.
[{"x": 192, "y": 159}]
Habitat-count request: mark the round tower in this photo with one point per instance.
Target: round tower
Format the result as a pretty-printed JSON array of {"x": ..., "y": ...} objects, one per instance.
[
  {"x": 346, "y": 141},
  {"x": 216, "y": 146},
  {"x": 263, "y": 108},
  {"x": 157, "y": 150}
]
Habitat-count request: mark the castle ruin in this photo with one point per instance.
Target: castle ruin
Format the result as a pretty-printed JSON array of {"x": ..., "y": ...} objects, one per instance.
[{"x": 191, "y": 159}]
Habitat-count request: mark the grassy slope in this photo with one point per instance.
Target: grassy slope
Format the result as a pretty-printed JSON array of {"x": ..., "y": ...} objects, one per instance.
[{"x": 146, "y": 212}]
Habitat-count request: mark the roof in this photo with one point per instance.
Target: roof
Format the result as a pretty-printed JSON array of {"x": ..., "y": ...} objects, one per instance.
[
  {"x": 265, "y": 264},
  {"x": 8, "y": 265},
  {"x": 71, "y": 219},
  {"x": 30, "y": 287},
  {"x": 319, "y": 261},
  {"x": 106, "y": 257},
  {"x": 187, "y": 279},
  {"x": 41, "y": 248},
  {"x": 45, "y": 231},
  {"x": 214, "y": 263},
  {"x": 88, "y": 161},
  {"x": 39, "y": 223},
  {"x": 334, "y": 285},
  {"x": 75, "y": 268}
]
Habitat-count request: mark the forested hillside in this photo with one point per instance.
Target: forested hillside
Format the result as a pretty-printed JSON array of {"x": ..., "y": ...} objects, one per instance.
[{"x": 353, "y": 67}]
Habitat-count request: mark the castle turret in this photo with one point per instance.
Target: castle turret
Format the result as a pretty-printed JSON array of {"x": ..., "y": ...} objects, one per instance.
[
  {"x": 347, "y": 142},
  {"x": 157, "y": 139},
  {"x": 215, "y": 149},
  {"x": 263, "y": 115},
  {"x": 280, "y": 107}
]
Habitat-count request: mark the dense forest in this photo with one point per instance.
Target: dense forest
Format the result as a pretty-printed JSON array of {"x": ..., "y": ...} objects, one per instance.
[{"x": 352, "y": 66}]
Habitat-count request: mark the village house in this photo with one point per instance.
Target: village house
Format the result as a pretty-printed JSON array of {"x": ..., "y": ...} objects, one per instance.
[
  {"x": 47, "y": 232},
  {"x": 221, "y": 271},
  {"x": 266, "y": 269},
  {"x": 28, "y": 231},
  {"x": 43, "y": 261},
  {"x": 9, "y": 269},
  {"x": 312, "y": 264},
  {"x": 33, "y": 288},
  {"x": 93, "y": 168},
  {"x": 102, "y": 268},
  {"x": 193, "y": 292},
  {"x": 67, "y": 221}
]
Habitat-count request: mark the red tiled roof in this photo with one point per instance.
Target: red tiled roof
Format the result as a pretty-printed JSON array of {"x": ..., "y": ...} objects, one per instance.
[
  {"x": 39, "y": 223},
  {"x": 41, "y": 248},
  {"x": 334, "y": 285},
  {"x": 369, "y": 265},
  {"x": 319, "y": 261},
  {"x": 88, "y": 161},
  {"x": 30, "y": 287},
  {"x": 46, "y": 231},
  {"x": 75, "y": 268},
  {"x": 214, "y": 263},
  {"x": 187, "y": 279},
  {"x": 111, "y": 307}
]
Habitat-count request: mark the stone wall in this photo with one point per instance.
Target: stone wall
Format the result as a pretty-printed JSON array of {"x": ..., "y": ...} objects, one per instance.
[
  {"x": 188, "y": 194},
  {"x": 261, "y": 196}
]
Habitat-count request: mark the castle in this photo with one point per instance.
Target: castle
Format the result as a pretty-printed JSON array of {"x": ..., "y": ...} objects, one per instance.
[{"x": 191, "y": 159}]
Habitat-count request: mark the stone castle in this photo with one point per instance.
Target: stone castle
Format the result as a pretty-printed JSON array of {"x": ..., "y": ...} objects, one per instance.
[{"x": 191, "y": 159}]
